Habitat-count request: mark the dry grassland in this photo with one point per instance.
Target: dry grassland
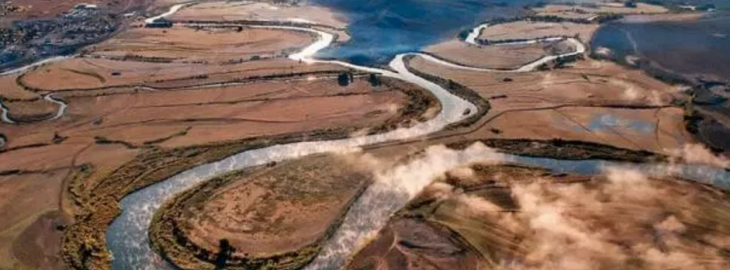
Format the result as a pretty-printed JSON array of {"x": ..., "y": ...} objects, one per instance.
[
  {"x": 233, "y": 11},
  {"x": 258, "y": 11},
  {"x": 532, "y": 30},
  {"x": 122, "y": 112},
  {"x": 10, "y": 90},
  {"x": 205, "y": 45},
  {"x": 30, "y": 111},
  {"x": 584, "y": 12},
  {"x": 496, "y": 57},
  {"x": 284, "y": 212},
  {"x": 594, "y": 101},
  {"x": 97, "y": 74}
]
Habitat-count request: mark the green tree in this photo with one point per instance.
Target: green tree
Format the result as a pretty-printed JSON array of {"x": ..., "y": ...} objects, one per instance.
[
  {"x": 343, "y": 79},
  {"x": 374, "y": 80},
  {"x": 224, "y": 253}
]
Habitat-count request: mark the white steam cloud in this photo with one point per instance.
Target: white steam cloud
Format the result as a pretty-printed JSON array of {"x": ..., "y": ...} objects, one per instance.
[
  {"x": 622, "y": 221},
  {"x": 698, "y": 154},
  {"x": 394, "y": 187}
]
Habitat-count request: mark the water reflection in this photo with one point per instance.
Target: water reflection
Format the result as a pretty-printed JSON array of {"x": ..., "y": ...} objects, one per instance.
[
  {"x": 685, "y": 47},
  {"x": 381, "y": 29}
]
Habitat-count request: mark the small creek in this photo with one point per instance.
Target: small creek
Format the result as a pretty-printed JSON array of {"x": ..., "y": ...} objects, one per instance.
[
  {"x": 62, "y": 106},
  {"x": 5, "y": 114}
]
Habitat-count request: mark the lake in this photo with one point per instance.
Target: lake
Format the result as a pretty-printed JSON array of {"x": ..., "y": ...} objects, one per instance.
[{"x": 380, "y": 29}]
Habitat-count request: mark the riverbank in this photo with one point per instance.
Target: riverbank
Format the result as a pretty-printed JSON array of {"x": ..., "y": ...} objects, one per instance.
[
  {"x": 108, "y": 129},
  {"x": 639, "y": 42},
  {"x": 169, "y": 235},
  {"x": 136, "y": 222},
  {"x": 312, "y": 195}
]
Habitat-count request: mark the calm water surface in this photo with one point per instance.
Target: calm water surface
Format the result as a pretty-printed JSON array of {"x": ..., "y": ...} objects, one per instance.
[
  {"x": 691, "y": 48},
  {"x": 380, "y": 29}
]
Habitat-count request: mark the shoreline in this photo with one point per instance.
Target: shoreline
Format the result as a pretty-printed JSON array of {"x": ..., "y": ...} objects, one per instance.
[
  {"x": 138, "y": 206},
  {"x": 580, "y": 50}
]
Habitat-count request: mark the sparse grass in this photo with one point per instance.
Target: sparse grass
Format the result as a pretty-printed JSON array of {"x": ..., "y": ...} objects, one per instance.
[
  {"x": 317, "y": 178},
  {"x": 84, "y": 243}
]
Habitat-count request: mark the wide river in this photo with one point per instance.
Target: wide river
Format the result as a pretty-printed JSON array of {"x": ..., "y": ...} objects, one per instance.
[{"x": 381, "y": 29}]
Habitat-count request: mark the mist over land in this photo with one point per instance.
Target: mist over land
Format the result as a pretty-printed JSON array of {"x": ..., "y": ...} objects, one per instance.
[{"x": 334, "y": 134}]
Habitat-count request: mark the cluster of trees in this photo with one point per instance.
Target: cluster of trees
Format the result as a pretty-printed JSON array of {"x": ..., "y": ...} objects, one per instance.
[
  {"x": 225, "y": 250},
  {"x": 345, "y": 78}
]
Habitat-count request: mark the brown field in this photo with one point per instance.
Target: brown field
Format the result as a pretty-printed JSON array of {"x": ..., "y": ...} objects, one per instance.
[
  {"x": 136, "y": 62},
  {"x": 9, "y": 89},
  {"x": 287, "y": 210},
  {"x": 684, "y": 16},
  {"x": 30, "y": 111},
  {"x": 532, "y": 30},
  {"x": 584, "y": 12},
  {"x": 509, "y": 217},
  {"x": 206, "y": 115},
  {"x": 96, "y": 74},
  {"x": 26, "y": 198},
  {"x": 497, "y": 57},
  {"x": 206, "y": 45},
  {"x": 232, "y": 11},
  {"x": 50, "y": 169},
  {"x": 107, "y": 131},
  {"x": 594, "y": 101},
  {"x": 262, "y": 11}
]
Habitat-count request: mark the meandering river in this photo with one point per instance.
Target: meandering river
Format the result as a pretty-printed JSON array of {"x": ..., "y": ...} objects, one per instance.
[
  {"x": 127, "y": 237},
  {"x": 128, "y": 240}
]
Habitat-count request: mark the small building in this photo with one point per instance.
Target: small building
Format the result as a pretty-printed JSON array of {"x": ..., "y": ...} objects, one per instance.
[{"x": 159, "y": 23}]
